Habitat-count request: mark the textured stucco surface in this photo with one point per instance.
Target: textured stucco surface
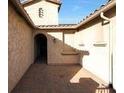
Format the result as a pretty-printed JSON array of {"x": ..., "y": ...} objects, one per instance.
[
  {"x": 89, "y": 46},
  {"x": 50, "y": 13},
  {"x": 56, "y": 48},
  {"x": 91, "y": 42},
  {"x": 20, "y": 47},
  {"x": 98, "y": 38}
]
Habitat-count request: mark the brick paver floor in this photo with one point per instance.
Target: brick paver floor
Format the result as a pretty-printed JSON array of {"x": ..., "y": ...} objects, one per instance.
[{"x": 43, "y": 78}]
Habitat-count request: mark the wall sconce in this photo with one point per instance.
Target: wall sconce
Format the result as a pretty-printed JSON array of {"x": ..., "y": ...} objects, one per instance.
[{"x": 54, "y": 40}]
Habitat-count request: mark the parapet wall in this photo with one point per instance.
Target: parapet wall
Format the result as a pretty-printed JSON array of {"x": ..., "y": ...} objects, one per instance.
[{"x": 20, "y": 47}]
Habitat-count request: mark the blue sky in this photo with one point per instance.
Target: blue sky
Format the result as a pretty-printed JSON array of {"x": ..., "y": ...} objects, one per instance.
[{"x": 72, "y": 11}]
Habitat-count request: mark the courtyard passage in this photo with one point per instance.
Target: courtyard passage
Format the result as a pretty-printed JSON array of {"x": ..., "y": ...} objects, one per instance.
[{"x": 43, "y": 78}]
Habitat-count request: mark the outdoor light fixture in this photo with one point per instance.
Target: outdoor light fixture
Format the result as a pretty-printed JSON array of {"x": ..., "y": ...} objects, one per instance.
[{"x": 54, "y": 40}]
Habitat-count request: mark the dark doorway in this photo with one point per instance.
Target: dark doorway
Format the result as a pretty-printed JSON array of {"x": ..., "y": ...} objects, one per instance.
[{"x": 40, "y": 48}]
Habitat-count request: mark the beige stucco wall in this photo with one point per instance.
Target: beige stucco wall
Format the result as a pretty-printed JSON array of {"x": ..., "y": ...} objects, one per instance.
[
  {"x": 97, "y": 60},
  {"x": 94, "y": 38},
  {"x": 56, "y": 54},
  {"x": 88, "y": 47},
  {"x": 113, "y": 25},
  {"x": 50, "y": 13},
  {"x": 20, "y": 44}
]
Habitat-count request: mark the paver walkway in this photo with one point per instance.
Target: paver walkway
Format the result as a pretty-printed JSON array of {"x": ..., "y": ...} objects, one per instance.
[{"x": 42, "y": 78}]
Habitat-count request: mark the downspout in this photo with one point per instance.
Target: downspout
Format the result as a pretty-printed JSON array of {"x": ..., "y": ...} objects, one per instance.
[
  {"x": 104, "y": 17},
  {"x": 110, "y": 50}
]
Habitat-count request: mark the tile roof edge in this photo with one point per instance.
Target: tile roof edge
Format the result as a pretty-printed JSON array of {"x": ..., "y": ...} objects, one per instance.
[
  {"x": 76, "y": 26},
  {"x": 103, "y": 8},
  {"x": 97, "y": 12}
]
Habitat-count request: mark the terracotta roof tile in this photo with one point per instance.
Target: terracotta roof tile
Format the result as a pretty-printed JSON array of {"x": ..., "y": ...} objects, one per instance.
[
  {"x": 104, "y": 5},
  {"x": 60, "y": 25}
]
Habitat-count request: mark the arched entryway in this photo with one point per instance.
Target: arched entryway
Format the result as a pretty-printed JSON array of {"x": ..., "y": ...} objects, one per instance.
[{"x": 40, "y": 48}]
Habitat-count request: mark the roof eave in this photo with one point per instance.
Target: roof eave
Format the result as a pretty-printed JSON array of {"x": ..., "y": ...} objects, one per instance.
[
  {"x": 22, "y": 11},
  {"x": 58, "y": 3},
  {"x": 59, "y": 28},
  {"x": 35, "y": 1},
  {"x": 97, "y": 13},
  {"x": 91, "y": 17}
]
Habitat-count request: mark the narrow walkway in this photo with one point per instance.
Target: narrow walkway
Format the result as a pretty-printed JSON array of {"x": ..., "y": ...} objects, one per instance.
[{"x": 42, "y": 78}]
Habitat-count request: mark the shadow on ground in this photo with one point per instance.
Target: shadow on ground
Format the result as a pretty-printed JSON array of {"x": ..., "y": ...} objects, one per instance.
[{"x": 42, "y": 78}]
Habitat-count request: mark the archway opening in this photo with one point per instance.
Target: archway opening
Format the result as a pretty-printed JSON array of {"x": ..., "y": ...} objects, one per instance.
[{"x": 40, "y": 48}]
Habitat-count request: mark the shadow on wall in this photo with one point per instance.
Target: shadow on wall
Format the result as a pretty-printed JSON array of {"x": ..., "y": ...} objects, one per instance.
[
  {"x": 63, "y": 49},
  {"x": 82, "y": 54}
]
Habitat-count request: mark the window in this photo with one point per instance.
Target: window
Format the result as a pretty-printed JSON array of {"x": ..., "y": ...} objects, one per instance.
[{"x": 40, "y": 12}]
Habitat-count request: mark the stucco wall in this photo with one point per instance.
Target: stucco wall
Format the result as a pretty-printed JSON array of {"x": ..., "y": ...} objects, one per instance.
[
  {"x": 50, "y": 13},
  {"x": 20, "y": 47},
  {"x": 94, "y": 38},
  {"x": 114, "y": 50},
  {"x": 89, "y": 46},
  {"x": 97, "y": 60},
  {"x": 56, "y": 49}
]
